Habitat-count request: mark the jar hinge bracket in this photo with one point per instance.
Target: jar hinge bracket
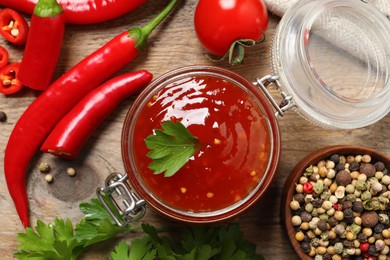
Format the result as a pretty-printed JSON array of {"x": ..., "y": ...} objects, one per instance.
[
  {"x": 286, "y": 102},
  {"x": 128, "y": 205}
]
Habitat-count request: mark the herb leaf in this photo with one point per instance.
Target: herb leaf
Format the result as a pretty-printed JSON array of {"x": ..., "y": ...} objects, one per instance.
[{"x": 170, "y": 148}]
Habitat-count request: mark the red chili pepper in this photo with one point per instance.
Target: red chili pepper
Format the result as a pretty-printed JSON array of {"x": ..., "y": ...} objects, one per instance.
[
  {"x": 82, "y": 11},
  {"x": 308, "y": 187},
  {"x": 9, "y": 84},
  {"x": 3, "y": 57},
  {"x": 70, "y": 134},
  {"x": 43, "y": 45},
  {"x": 64, "y": 93},
  {"x": 13, "y": 26}
]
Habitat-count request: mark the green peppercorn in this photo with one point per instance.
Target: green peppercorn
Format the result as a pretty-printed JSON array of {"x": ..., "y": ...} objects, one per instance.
[{"x": 338, "y": 248}]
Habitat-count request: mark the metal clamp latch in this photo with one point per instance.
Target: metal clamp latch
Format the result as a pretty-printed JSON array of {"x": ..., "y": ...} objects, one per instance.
[
  {"x": 128, "y": 205},
  {"x": 287, "y": 98}
]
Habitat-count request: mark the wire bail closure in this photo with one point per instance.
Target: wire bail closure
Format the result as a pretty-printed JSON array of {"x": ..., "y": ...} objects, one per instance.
[
  {"x": 129, "y": 206},
  {"x": 287, "y": 101}
]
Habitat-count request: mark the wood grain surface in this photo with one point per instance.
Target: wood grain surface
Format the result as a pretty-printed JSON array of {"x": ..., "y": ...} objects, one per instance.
[{"x": 172, "y": 45}]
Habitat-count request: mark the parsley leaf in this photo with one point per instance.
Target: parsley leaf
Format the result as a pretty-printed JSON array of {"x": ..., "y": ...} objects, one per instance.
[
  {"x": 170, "y": 148},
  {"x": 61, "y": 240}
]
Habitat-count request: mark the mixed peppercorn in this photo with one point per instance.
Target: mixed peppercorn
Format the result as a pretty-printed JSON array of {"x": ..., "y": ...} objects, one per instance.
[{"x": 340, "y": 209}]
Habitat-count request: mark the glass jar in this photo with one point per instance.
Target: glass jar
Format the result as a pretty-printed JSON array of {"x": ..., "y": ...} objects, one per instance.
[
  {"x": 330, "y": 62},
  {"x": 332, "y": 58}
]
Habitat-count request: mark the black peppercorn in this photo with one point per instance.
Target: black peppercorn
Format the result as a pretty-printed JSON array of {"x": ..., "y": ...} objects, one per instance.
[
  {"x": 332, "y": 221},
  {"x": 339, "y": 167},
  {"x": 306, "y": 247},
  {"x": 372, "y": 250},
  {"x": 357, "y": 206},
  {"x": 334, "y": 241},
  {"x": 3, "y": 116},
  {"x": 306, "y": 216},
  {"x": 378, "y": 236},
  {"x": 317, "y": 203},
  {"x": 379, "y": 166},
  {"x": 361, "y": 237},
  {"x": 379, "y": 228},
  {"x": 347, "y": 204},
  {"x": 348, "y": 243},
  {"x": 327, "y": 256},
  {"x": 300, "y": 198},
  {"x": 335, "y": 158},
  {"x": 354, "y": 166},
  {"x": 368, "y": 169},
  {"x": 322, "y": 225}
]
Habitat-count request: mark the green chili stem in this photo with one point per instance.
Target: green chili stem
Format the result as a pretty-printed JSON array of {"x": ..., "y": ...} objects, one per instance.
[
  {"x": 47, "y": 8},
  {"x": 141, "y": 34}
]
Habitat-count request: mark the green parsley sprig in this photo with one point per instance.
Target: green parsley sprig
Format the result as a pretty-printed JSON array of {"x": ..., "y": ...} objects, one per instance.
[
  {"x": 64, "y": 241},
  {"x": 170, "y": 148}
]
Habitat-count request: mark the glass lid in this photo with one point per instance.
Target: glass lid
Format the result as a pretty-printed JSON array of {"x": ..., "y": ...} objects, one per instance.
[{"x": 333, "y": 57}]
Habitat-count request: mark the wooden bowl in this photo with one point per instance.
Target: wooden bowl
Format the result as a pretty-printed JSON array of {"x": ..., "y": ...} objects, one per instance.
[{"x": 312, "y": 159}]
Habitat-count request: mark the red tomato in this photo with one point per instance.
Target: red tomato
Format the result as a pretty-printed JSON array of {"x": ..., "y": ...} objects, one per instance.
[
  {"x": 9, "y": 84},
  {"x": 3, "y": 57},
  {"x": 13, "y": 26},
  {"x": 221, "y": 23}
]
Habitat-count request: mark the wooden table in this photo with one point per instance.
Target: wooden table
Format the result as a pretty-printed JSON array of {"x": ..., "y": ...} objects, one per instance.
[{"x": 172, "y": 45}]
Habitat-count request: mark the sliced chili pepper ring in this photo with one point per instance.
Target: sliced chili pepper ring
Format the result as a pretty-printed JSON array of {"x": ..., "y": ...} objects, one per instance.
[
  {"x": 9, "y": 84},
  {"x": 3, "y": 57},
  {"x": 13, "y": 26}
]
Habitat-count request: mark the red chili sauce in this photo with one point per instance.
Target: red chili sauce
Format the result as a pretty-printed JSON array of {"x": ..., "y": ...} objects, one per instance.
[{"x": 233, "y": 135}]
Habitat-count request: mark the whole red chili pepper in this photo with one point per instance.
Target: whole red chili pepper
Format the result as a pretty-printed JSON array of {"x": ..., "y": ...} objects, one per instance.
[
  {"x": 9, "y": 84},
  {"x": 70, "y": 134},
  {"x": 43, "y": 45},
  {"x": 13, "y": 26},
  {"x": 64, "y": 93},
  {"x": 3, "y": 57},
  {"x": 82, "y": 11}
]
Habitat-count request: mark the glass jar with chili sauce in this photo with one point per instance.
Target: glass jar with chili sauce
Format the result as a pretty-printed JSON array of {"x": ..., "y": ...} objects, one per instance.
[{"x": 239, "y": 144}]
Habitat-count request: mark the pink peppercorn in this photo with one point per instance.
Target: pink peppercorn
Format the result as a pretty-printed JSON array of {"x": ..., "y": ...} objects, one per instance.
[
  {"x": 364, "y": 246},
  {"x": 308, "y": 187}
]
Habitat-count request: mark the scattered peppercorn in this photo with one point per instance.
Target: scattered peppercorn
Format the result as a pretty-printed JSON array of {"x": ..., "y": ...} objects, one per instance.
[
  {"x": 3, "y": 116},
  {"x": 44, "y": 167},
  {"x": 71, "y": 171},
  {"x": 48, "y": 178}
]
